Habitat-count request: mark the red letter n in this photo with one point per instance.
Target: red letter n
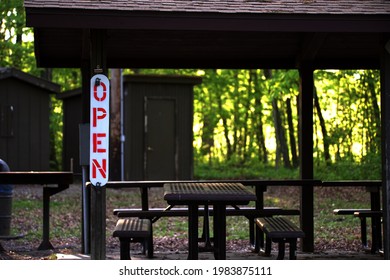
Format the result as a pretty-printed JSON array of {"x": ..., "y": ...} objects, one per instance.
[{"x": 102, "y": 168}]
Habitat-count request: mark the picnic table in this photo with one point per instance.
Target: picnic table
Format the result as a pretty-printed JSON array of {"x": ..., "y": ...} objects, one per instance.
[
  {"x": 373, "y": 187},
  {"x": 259, "y": 186},
  {"x": 217, "y": 194},
  {"x": 51, "y": 182}
]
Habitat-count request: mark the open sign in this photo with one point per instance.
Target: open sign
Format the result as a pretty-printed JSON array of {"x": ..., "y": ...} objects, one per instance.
[{"x": 99, "y": 130}]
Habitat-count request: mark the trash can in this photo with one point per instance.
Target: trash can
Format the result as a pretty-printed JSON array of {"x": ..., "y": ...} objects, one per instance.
[{"x": 5, "y": 203}]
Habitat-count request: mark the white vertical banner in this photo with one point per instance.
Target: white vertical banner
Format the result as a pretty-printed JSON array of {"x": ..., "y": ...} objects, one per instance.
[{"x": 99, "y": 130}]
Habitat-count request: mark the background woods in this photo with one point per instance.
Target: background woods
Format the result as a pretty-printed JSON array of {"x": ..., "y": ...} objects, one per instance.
[{"x": 246, "y": 120}]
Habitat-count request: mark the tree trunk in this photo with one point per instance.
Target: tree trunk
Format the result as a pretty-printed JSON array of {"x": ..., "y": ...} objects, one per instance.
[
  {"x": 258, "y": 122},
  {"x": 325, "y": 135},
  {"x": 207, "y": 137},
  {"x": 47, "y": 74},
  {"x": 236, "y": 114},
  {"x": 293, "y": 144},
  {"x": 208, "y": 125},
  {"x": 247, "y": 126},
  {"x": 225, "y": 127},
  {"x": 375, "y": 125},
  {"x": 282, "y": 147},
  {"x": 115, "y": 125}
]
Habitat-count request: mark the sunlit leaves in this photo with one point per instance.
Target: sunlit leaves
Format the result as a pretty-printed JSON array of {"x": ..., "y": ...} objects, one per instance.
[{"x": 350, "y": 105}]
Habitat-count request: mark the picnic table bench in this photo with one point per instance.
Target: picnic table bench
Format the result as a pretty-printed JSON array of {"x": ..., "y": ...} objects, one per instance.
[
  {"x": 373, "y": 188},
  {"x": 51, "y": 182},
  {"x": 281, "y": 231},
  {"x": 154, "y": 214},
  {"x": 134, "y": 230},
  {"x": 376, "y": 228}
]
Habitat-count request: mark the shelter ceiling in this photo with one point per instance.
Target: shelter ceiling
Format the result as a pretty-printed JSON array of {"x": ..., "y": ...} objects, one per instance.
[{"x": 213, "y": 49}]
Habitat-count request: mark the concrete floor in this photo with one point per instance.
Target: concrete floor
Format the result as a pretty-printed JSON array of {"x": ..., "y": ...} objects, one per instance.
[{"x": 242, "y": 255}]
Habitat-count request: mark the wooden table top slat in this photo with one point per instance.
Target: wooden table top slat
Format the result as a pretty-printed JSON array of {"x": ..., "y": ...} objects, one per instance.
[
  {"x": 215, "y": 191},
  {"x": 36, "y": 177}
]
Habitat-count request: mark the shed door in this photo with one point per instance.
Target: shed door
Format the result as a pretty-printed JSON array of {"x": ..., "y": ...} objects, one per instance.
[{"x": 160, "y": 152}]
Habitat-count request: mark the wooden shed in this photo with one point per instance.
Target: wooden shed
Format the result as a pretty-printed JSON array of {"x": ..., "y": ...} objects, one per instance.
[
  {"x": 158, "y": 124},
  {"x": 24, "y": 120}
]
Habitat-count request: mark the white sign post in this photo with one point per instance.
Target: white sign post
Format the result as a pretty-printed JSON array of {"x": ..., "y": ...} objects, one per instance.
[{"x": 99, "y": 130}]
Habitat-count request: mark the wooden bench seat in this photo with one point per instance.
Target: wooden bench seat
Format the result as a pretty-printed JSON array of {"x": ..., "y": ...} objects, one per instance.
[
  {"x": 368, "y": 214},
  {"x": 348, "y": 211},
  {"x": 156, "y": 213},
  {"x": 134, "y": 230},
  {"x": 281, "y": 231}
]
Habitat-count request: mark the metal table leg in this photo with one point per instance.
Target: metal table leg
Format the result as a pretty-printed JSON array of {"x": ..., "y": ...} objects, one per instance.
[
  {"x": 46, "y": 245},
  {"x": 47, "y": 193},
  {"x": 220, "y": 231},
  {"x": 193, "y": 248},
  {"x": 375, "y": 221}
]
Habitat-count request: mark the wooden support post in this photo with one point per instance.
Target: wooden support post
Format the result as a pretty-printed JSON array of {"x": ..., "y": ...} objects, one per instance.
[
  {"x": 144, "y": 199},
  {"x": 385, "y": 124},
  {"x": 259, "y": 236},
  {"x": 86, "y": 193},
  {"x": 306, "y": 154},
  {"x": 98, "y": 223},
  {"x": 85, "y": 104},
  {"x": 98, "y": 194}
]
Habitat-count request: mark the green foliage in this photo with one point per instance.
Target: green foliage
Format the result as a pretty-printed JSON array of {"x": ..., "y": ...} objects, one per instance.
[
  {"x": 368, "y": 169},
  {"x": 16, "y": 47},
  {"x": 350, "y": 106},
  {"x": 248, "y": 170}
]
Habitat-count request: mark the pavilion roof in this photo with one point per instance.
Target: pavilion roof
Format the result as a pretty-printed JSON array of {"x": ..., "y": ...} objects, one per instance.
[{"x": 226, "y": 6}]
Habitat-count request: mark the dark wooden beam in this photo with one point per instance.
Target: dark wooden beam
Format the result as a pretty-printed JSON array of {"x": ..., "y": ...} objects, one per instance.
[
  {"x": 203, "y": 49},
  {"x": 306, "y": 153},
  {"x": 85, "y": 75},
  {"x": 312, "y": 43},
  {"x": 385, "y": 123}
]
